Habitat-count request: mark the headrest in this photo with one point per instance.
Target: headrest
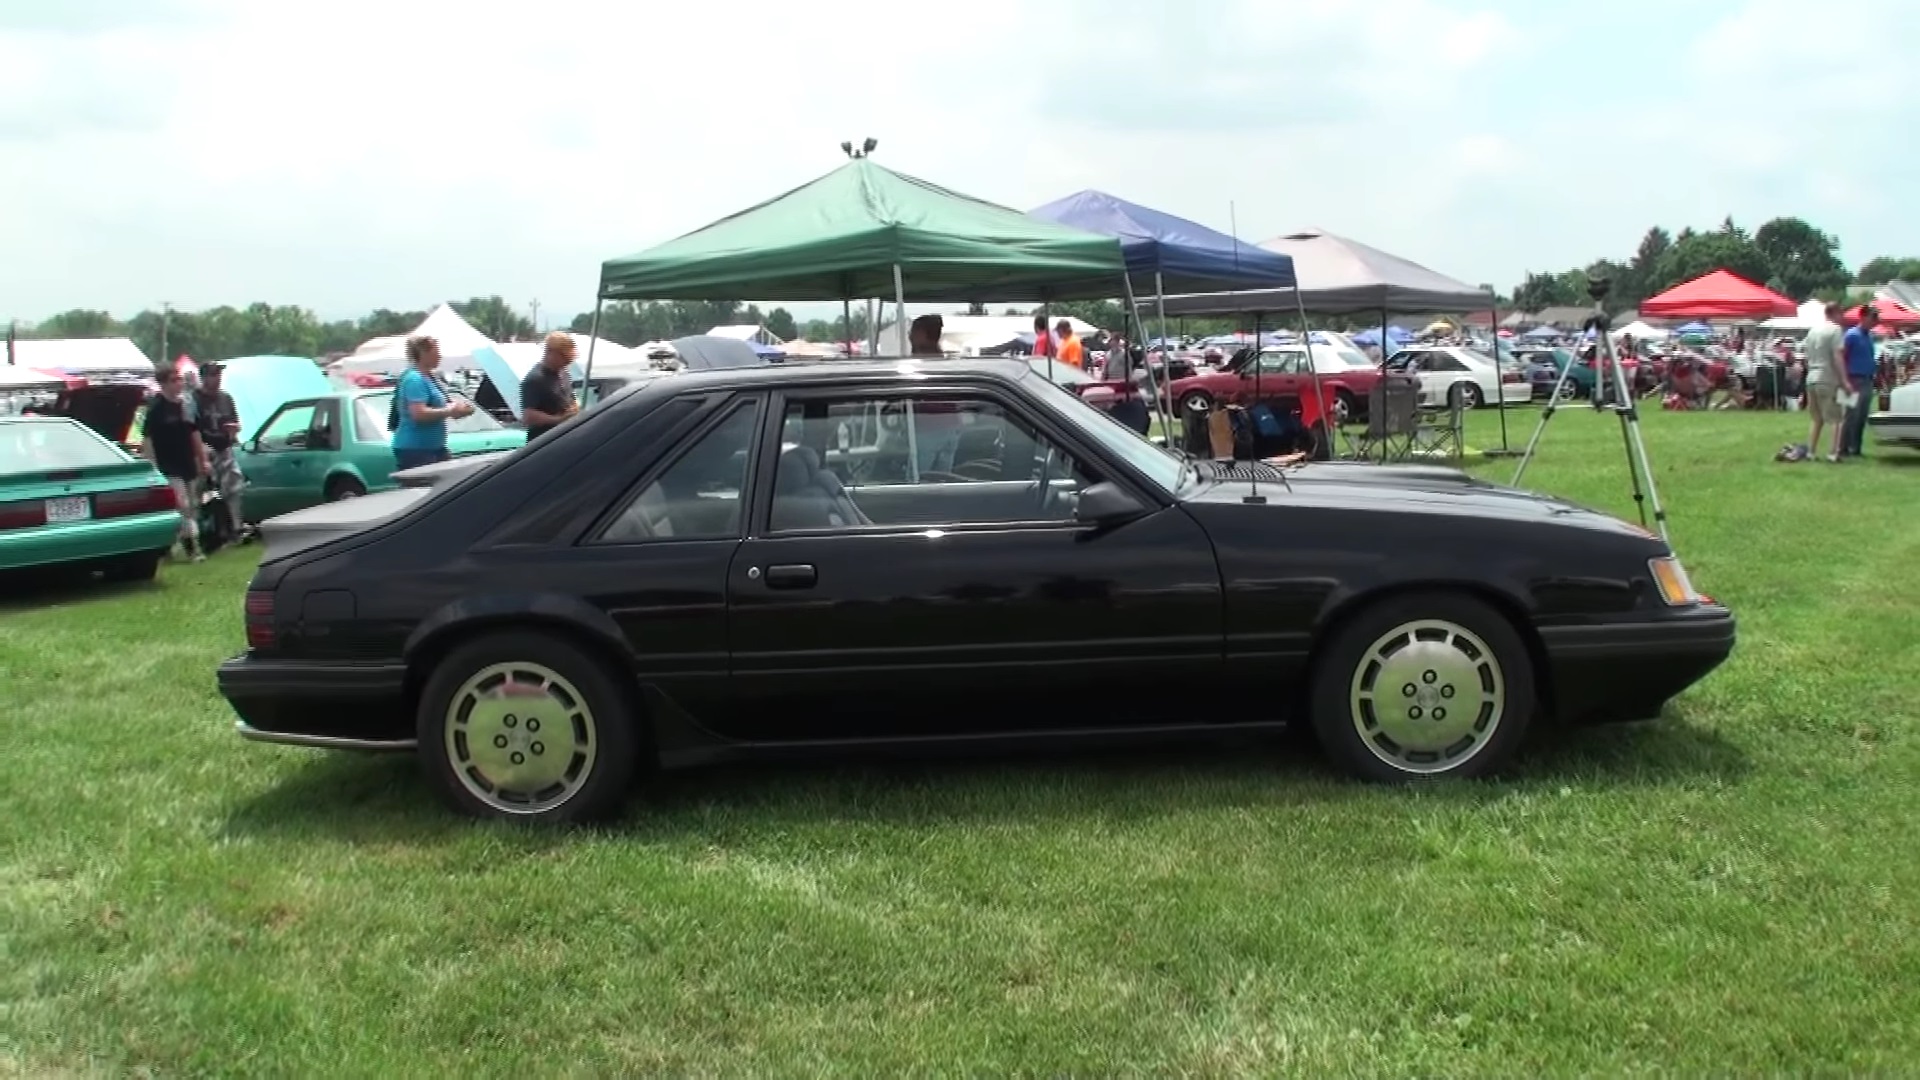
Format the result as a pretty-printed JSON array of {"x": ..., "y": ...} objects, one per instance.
[{"x": 795, "y": 470}]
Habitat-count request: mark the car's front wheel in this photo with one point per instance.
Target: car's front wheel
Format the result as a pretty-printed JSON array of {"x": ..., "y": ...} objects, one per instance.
[
  {"x": 1423, "y": 686},
  {"x": 525, "y": 726}
]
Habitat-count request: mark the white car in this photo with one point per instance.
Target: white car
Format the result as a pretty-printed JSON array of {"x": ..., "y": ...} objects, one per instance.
[
  {"x": 1900, "y": 424},
  {"x": 1449, "y": 372}
]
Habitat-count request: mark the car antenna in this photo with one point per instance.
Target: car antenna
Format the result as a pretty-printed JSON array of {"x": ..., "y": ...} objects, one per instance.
[{"x": 1253, "y": 495}]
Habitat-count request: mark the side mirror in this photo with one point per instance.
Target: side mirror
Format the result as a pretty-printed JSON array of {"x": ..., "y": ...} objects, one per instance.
[{"x": 1106, "y": 504}]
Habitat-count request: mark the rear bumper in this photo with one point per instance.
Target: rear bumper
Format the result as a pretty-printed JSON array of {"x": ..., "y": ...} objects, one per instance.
[
  {"x": 332, "y": 705},
  {"x": 84, "y": 541},
  {"x": 1629, "y": 671}
]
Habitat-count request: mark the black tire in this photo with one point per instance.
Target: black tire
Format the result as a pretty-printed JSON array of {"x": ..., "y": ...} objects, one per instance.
[
  {"x": 344, "y": 487},
  {"x": 133, "y": 568},
  {"x": 611, "y": 718},
  {"x": 1464, "y": 395},
  {"x": 1346, "y": 663},
  {"x": 1349, "y": 405},
  {"x": 1192, "y": 396}
]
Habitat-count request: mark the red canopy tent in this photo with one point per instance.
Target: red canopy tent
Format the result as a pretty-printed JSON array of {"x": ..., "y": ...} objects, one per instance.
[
  {"x": 1892, "y": 313},
  {"x": 1719, "y": 295}
]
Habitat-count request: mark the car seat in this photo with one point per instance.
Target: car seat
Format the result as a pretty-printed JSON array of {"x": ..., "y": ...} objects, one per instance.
[{"x": 806, "y": 496}]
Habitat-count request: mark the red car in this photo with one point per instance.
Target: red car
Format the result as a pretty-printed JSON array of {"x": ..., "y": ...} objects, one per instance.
[{"x": 1346, "y": 376}]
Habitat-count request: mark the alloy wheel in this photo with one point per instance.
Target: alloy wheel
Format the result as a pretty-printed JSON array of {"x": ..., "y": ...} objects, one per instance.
[
  {"x": 1427, "y": 696},
  {"x": 520, "y": 738}
]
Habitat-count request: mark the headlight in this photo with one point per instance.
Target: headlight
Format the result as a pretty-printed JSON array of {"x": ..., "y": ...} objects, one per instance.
[{"x": 1671, "y": 578}]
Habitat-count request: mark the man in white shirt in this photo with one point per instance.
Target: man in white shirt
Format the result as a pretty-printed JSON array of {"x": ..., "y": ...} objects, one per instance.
[{"x": 1826, "y": 381}]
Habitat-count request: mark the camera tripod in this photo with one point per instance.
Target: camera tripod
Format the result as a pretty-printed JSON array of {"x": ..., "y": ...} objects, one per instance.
[{"x": 1616, "y": 396}]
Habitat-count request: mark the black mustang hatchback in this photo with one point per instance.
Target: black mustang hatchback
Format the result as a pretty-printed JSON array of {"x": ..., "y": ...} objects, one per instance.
[{"x": 945, "y": 554}]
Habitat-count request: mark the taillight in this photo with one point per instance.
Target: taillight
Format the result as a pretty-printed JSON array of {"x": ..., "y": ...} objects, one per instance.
[
  {"x": 26, "y": 514},
  {"x": 259, "y": 620},
  {"x": 148, "y": 500}
]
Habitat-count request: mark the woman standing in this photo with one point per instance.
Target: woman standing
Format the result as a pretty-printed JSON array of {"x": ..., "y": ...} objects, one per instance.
[{"x": 421, "y": 410}]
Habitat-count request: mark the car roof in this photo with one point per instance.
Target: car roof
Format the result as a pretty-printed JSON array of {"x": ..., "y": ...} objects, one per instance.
[{"x": 814, "y": 372}]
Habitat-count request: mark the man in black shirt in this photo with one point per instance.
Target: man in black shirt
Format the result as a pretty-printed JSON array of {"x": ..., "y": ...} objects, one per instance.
[
  {"x": 546, "y": 394},
  {"x": 219, "y": 424},
  {"x": 170, "y": 438}
]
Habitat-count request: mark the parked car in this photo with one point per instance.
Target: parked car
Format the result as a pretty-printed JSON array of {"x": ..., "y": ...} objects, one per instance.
[
  {"x": 1450, "y": 375},
  {"x": 807, "y": 557},
  {"x": 1346, "y": 376},
  {"x": 1899, "y": 424},
  {"x": 335, "y": 446},
  {"x": 1543, "y": 368},
  {"x": 69, "y": 497}
]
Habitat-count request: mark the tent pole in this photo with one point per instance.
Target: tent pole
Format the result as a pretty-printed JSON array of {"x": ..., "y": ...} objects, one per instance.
[
  {"x": 846, "y": 324},
  {"x": 1505, "y": 447},
  {"x": 593, "y": 338},
  {"x": 899, "y": 310},
  {"x": 1327, "y": 419},
  {"x": 1383, "y": 372},
  {"x": 873, "y": 327},
  {"x": 1053, "y": 351},
  {"x": 1166, "y": 352},
  {"x": 1153, "y": 385}
]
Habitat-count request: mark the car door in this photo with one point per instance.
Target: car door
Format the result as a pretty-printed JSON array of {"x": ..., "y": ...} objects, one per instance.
[
  {"x": 279, "y": 467},
  {"x": 939, "y": 585}
]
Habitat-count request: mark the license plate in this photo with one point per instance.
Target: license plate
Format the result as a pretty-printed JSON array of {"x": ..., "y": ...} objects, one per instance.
[{"x": 75, "y": 509}]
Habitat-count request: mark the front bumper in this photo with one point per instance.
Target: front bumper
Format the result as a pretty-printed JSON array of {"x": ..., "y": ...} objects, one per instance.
[
  {"x": 332, "y": 705},
  {"x": 1603, "y": 673}
]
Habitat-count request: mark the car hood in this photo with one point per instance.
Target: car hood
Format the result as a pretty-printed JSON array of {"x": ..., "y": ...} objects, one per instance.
[{"x": 1397, "y": 489}]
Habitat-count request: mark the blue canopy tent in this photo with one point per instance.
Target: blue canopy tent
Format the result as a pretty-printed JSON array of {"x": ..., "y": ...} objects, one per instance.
[
  {"x": 1396, "y": 337},
  {"x": 1543, "y": 333},
  {"x": 1695, "y": 329},
  {"x": 1179, "y": 256}
]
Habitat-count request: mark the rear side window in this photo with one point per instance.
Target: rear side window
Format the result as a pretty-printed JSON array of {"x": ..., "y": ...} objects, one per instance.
[{"x": 702, "y": 494}]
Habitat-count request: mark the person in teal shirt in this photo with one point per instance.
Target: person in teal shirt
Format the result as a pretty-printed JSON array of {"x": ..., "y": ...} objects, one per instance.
[{"x": 421, "y": 409}]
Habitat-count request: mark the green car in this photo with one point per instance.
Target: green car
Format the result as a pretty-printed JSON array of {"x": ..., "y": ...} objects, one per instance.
[
  {"x": 324, "y": 447},
  {"x": 71, "y": 498}
]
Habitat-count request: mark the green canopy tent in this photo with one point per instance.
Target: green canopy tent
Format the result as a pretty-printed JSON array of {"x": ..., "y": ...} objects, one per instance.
[{"x": 865, "y": 231}]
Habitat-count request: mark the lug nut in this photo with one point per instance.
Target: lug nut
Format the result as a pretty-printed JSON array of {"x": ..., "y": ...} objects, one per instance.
[
  {"x": 500, "y": 742},
  {"x": 512, "y": 720},
  {"x": 533, "y": 723},
  {"x": 538, "y": 747},
  {"x": 518, "y": 758},
  {"x": 1413, "y": 713}
]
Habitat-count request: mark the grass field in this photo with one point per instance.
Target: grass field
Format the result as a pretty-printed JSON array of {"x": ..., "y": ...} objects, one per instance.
[{"x": 1730, "y": 891}]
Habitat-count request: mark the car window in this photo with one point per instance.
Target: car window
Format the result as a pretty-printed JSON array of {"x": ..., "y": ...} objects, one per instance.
[
  {"x": 699, "y": 495},
  {"x": 1280, "y": 363},
  {"x": 1440, "y": 361},
  {"x": 949, "y": 459},
  {"x": 372, "y": 411},
  {"x": 31, "y": 447},
  {"x": 288, "y": 428}
]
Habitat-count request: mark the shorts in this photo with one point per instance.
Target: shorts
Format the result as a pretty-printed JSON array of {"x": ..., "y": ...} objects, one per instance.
[
  {"x": 1823, "y": 401},
  {"x": 413, "y": 459}
]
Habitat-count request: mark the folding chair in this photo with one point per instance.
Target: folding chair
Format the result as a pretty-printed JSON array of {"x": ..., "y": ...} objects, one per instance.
[
  {"x": 1441, "y": 432},
  {"x": 1393, "y": 418}
]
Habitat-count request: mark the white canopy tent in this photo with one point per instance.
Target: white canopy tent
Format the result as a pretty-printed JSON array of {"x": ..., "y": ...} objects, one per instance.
[
  {"x": 457, "y": 338},
  {"x": 507, "y": 363},
  {"x": 1640, "y": 331},
  {"x": 1811, "y": 314},
  {"x": 753, "y": 333},
  {"x": 85, "y": 357}
]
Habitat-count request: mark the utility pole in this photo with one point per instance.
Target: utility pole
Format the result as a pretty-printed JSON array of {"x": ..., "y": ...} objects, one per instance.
[
  {"x": 536, "y": 317},
  {"x": 166, "y": 317}
]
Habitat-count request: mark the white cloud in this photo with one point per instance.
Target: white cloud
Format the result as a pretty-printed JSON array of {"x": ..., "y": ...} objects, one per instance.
[{"x": 396, "y": 152}]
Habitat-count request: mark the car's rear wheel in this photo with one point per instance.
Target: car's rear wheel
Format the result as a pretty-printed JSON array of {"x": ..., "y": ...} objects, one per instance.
[
  {"x": 1423, "y": 686},
  {"x": 1200, "y": 398},
  {"x": 526, "y": 726},
  {"x": 1466, "y": 395},
  {"x": 1349, "y": 406},
  {"x": 344, "y": 487}
]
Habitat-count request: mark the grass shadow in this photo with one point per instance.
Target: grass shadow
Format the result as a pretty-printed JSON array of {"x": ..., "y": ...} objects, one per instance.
[
  {"x": 24, "y": 591},
  {"x": 379, "y": 799}
]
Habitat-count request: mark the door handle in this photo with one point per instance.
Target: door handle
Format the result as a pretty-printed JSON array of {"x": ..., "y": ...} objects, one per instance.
[{"x": 792, "y": 576}]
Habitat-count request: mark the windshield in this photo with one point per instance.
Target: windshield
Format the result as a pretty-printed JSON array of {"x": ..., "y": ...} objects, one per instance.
[
  {"x": 35, "y": 446},
  {"x": 1156, "y": 464},
  {"x": 375, "y": 408}
]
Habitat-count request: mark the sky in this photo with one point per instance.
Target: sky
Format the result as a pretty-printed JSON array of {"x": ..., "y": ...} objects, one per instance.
[{"x": 396, "y": 153}]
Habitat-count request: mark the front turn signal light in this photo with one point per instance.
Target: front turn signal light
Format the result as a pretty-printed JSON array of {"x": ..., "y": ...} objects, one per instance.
[{"x": 1671, "y": 578}]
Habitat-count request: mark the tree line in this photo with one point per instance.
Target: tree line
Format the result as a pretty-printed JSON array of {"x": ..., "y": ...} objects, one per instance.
[{"x": 1786, "y": 254}]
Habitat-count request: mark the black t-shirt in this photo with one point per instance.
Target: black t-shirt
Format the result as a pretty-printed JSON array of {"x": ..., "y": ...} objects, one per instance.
[
  {"x": 217, "y": 410},
  {"x": 170, "y": 427},
  {"x": 547, "y": 391}
]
